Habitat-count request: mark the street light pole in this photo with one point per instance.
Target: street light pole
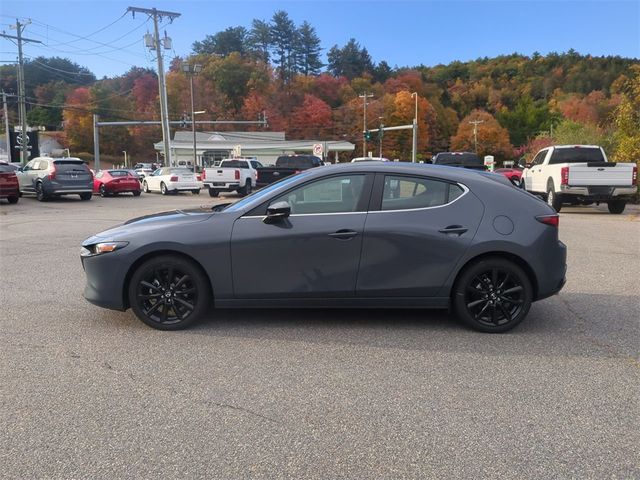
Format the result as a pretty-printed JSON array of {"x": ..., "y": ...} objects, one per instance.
[
  {"x": 125, "y": 158},
  {"x": 380, "y": 134},
  {"x": 475, "y": 124},
  {"x": 414, "y": 150},
  {"x": 364, "y": 96},
  {"x": 191, "y": 71}
]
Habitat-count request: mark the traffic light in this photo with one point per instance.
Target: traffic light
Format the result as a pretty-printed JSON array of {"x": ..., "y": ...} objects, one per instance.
[{"x": 368, "y": 135}]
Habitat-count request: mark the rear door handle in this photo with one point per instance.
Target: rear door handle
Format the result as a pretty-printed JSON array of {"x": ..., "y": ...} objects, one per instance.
[
  {"x": 344, "y": 234},
  {"x": 457, "y": 229}
]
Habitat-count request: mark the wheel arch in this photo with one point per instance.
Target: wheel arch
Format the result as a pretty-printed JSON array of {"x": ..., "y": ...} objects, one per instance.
[
  {"x": 147, "y": 256},
  {"x": 521, "y": 262}
]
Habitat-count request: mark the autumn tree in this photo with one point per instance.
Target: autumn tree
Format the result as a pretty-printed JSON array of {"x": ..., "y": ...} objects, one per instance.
[
  {"x": 627, "y": 120},
  {"x": 312, "y": 119},
  {"x": 492, "y": 139},
  {"x": 78, "y": 122}
]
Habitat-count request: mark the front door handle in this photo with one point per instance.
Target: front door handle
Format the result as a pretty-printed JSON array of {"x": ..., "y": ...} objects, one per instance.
[
  {"x": 344, "y": 234},
  {"x": 457, "y": 229}
]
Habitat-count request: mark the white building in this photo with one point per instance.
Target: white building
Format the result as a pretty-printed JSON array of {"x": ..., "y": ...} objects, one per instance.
[{"x": 265, "y": 146}]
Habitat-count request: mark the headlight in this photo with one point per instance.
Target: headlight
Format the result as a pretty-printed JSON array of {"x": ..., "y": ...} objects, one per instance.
[{"x": 102, "y": 247}]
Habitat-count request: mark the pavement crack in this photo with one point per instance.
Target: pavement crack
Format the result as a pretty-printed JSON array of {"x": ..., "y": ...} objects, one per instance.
[{"x": 239, "y": 409}]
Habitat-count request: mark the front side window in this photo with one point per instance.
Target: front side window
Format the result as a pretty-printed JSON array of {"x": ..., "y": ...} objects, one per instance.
[
  {"x": 539, "y": 158},
  {"x": 330, "y": 195},
  {"x": 404, "y": 193}
]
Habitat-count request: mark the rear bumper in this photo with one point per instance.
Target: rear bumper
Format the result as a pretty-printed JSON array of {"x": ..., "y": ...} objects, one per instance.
[
  {"x": 583, "y": 191},
  {"x": 227, "y": 187},
  {"x": 9, "y": 192},
  {"x": 173, "y": 186}
]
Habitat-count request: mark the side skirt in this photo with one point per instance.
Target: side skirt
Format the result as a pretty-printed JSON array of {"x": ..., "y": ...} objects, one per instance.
[{"x": 386, "y": 302}]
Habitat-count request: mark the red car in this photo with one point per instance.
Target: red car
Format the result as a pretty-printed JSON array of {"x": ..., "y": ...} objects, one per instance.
[
  {"x": 113, "y": 182},
  {"x": 513, "y": 174},
  {"x": 9, "y": 187}
]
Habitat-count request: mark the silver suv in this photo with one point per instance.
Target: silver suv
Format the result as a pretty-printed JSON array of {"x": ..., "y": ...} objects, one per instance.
[{"x": 49, "y": 177}]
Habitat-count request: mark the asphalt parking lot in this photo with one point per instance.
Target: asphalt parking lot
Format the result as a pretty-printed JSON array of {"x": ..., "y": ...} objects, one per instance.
[{"x": 91, "y": 393}]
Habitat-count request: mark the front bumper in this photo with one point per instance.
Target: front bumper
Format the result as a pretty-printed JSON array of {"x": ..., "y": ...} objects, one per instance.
[{"x": 105, "y": 280}]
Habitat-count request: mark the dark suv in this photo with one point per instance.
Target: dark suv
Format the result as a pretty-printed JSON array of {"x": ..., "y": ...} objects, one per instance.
[{"x": 50, "y": 177}]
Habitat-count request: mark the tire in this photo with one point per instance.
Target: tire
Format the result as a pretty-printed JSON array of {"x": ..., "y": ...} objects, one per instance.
[
  {"x": 616, "y": 206},
  {"x": 13, "y": 199},
  {"x": 145, "y": 187},
  {"x": 214, "y": 193},
  {"x": 554, "y": 200},
  {"x": 85, "y": 196},
  {"x": 103, "y": 191},
  {"x": 161, "y": 296},
  {"x": 40, "y": 195},
  {"x": 246, "y": 190},
  {"x": 492, "y": 295},
  {"x": 196, "y": 192},
  {"x": 163, "y": 189},
  {"x": 136, "y": 193}
]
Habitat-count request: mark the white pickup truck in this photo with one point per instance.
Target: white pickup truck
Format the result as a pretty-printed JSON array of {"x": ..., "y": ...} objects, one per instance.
[
  {"x": 232, "y": 175},
  {"x": 580, "y": 175}
]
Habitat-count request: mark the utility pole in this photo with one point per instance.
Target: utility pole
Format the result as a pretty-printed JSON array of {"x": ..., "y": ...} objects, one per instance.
[
  {"x": 191, "y": 71},
  {"x": 22, "y": 107},
  {"x": 475, "y": 124},
  {"x": 364, "y": 96},
  {"x": 414, "y": 150},
  {"x": 164, "y": 109},
  {"x": 6, "y": 125}
]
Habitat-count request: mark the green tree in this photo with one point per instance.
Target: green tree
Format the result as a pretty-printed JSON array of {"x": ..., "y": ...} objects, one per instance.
[
  {"x": 627, "y": 120},
  {"x": 527, "y": 119},
  {"x": 284, "y": 38},
  {"x": 259, "y": 39},
  {"x": 569, "y": 132},
  {"x": 308, "y": 50},
  {"x": 233, "y": 39},
  {"x": 350, "y": 61}
]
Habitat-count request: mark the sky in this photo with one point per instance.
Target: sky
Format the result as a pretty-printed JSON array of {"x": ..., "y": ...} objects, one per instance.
[{"x": 99, "y": 35}]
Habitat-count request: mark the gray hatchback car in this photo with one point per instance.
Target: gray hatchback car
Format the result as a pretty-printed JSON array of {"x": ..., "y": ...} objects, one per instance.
[
  {"x": 367, "y": 234},
  {"x": 50, "y": 177}
]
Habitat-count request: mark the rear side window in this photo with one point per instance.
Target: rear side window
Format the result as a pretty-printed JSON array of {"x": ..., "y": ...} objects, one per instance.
[
  {"x": 576, "y": 155},
  {"x": 404, "y": 193},
  {"x": 67, "y": 166},
  {"x": 451, "y": 158}
]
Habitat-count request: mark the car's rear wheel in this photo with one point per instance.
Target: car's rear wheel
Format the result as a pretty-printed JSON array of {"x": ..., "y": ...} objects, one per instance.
[
  {"x": 246, "y": 190},
  {"x": 136, "y": 193},
  {"x": 616, "y": 206},
  {"x": 40, "y": 195},
  {"x": 103, "y": 191},
  {"x": 145, "y": 187},
  {"x": 169, "y": 292},
  {"x": 554, "y": 200},
  {"x": 492, "y": 295},
  {"x": 163, "y": 189},
  {"x": 13, "y": 198},
  {"x": 214, "y": 193},
  {"x": 85, "y": 196}
]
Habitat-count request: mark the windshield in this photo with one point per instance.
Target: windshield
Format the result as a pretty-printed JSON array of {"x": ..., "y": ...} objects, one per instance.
[{"x": 261, "y": 194}]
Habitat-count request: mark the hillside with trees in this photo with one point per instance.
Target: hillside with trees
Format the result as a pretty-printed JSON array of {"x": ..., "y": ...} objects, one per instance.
[{"x": 276, "y": 67}]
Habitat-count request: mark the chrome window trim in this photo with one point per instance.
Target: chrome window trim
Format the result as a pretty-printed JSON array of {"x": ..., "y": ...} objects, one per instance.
[{"x": 464, "y": 188}]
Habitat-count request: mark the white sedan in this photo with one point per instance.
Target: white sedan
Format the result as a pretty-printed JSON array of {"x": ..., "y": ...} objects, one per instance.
[{"x": 172, "y": 180}]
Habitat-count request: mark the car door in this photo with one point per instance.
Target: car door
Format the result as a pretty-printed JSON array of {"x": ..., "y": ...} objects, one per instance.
[
  {"x": 534, "y": 181},
  {"x": 26, "y": 177},
  {"x": 314, "y": 252},
  {"x": 416, "y": 231},
  {"x": 153, "y": 180}
]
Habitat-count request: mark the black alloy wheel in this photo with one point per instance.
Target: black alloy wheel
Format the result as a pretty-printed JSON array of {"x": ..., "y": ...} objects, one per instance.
[
  {"x": 40, "y": 195},
  {"x": 168, "y": 293},
  {"x": 103, "y": 190},
  {"x": 493, "y": 295}
]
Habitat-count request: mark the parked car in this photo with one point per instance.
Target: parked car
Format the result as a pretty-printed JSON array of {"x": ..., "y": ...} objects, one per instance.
[
  {"x": 514, "y": 174},
  {"x": 370, "y": 159},
  {"x": 287, "y": 165},
  {"x": 113, "y": 182},
  {"x": 459, "y": 159},
  {"x": 232, "y": 175},
  {"x": 338, "y": 237},
  {"x": 172, "y": 180},
  {"x": 51, "y": 177},
  {"x": 9, "y": 186},
  {"x": 580, "y": 175},
  {"x": 143, "y": 172}
]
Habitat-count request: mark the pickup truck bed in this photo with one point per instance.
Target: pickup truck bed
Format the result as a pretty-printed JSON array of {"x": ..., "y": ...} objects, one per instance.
[{"x": 285, "y": 166}]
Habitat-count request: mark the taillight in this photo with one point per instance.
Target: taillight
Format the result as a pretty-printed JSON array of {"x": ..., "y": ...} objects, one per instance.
[
  {"x": 553, "y": 220},
  {"x": 634, "y": 176},
  {"x": 296, "y": 172},
  {"x": 52, "y": 172},
  {"x": 173, "y": 179},
  {"x": 204, "y": 174},
  {"x": 564, "y": 176},
  {"x": 199, "y": 177},
  {"x": 237, "y": 174}
]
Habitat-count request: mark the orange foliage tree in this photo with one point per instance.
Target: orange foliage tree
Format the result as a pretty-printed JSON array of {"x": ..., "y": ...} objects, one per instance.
[
  {"x": 78, "y": 122},
  {"x": 492, "y": 138}
]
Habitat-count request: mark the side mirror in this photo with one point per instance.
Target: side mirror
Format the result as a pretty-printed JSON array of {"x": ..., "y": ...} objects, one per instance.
[
  {"x": 277, "y": 211},
  {"x": 528, "y": 165}
]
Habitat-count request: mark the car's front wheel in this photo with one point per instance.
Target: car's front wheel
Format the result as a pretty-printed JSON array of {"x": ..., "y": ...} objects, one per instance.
[
  {"x": 169, "y": 292},
  {"x": 492, "y": 295},
  {"x": 40, "y": 195}
]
